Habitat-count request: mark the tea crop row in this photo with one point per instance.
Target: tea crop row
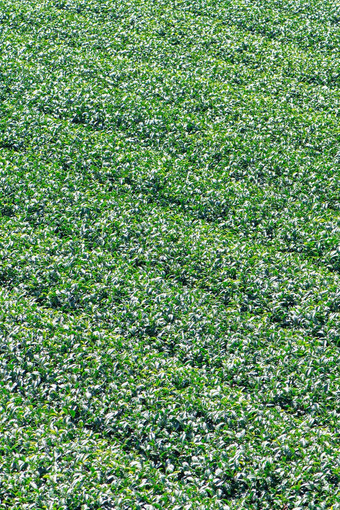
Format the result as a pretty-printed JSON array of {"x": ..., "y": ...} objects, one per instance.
[{"x": 169, "y": 245}]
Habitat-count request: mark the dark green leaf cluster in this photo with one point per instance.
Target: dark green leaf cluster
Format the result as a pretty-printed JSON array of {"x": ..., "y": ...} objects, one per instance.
[{"x": 170, "y": 255}]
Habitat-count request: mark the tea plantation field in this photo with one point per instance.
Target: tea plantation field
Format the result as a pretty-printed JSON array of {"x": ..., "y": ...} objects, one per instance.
[{"x": 170, "y": 254}]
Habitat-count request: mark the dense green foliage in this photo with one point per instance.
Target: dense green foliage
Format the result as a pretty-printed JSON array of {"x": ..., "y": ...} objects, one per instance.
[{"x": 169, "y": 240}]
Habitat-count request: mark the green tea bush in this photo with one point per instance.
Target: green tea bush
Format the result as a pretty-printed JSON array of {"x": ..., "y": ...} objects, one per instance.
[{"x": 170, "y": 255}]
